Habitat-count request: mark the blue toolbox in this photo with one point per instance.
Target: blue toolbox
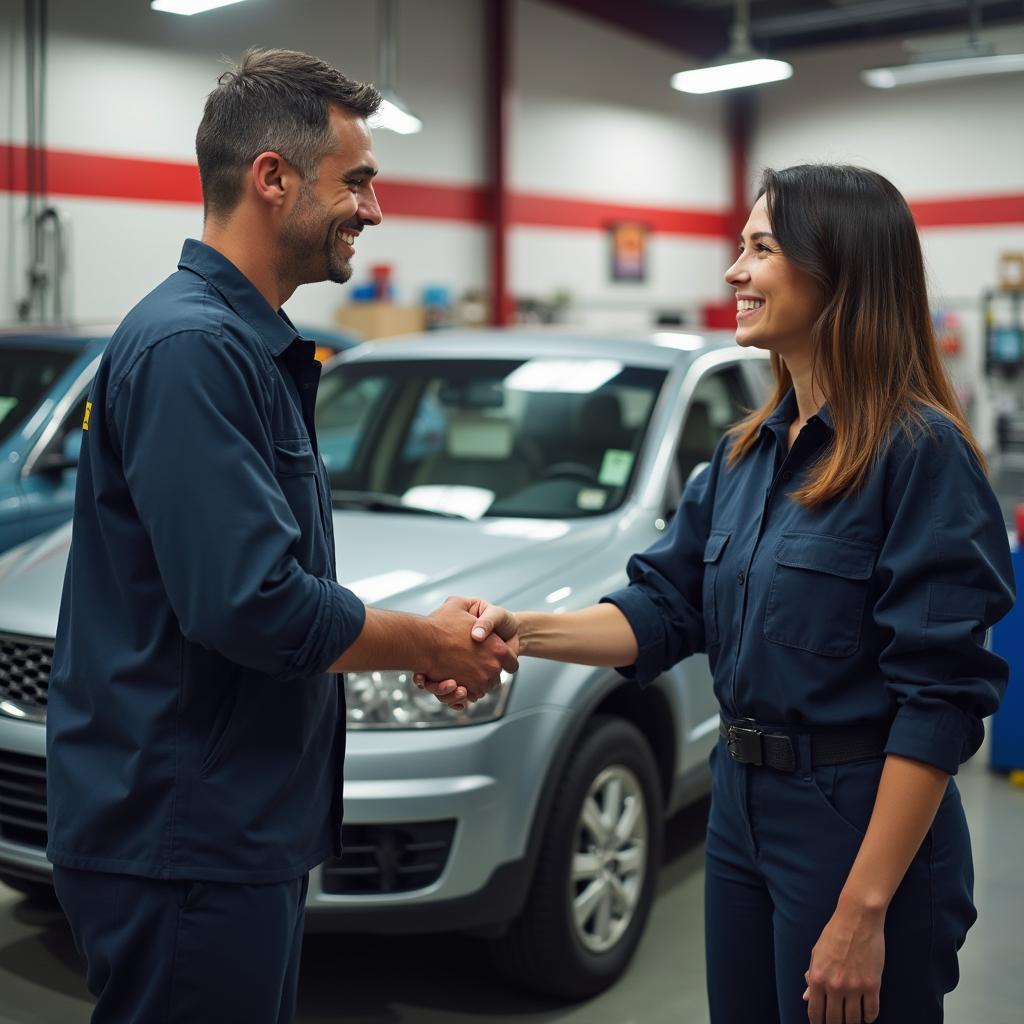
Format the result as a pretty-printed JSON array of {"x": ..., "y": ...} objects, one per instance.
[{"x": 1007, "y": 727}]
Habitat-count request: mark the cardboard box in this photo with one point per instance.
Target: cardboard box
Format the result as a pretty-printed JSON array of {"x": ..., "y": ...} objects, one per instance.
[{"x": 381, "y": 319}]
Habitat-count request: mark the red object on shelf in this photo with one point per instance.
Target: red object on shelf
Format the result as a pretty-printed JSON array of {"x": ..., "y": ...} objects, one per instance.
[
  {"x": 1020, "y": 523},
  {"x": 719, "y": 314},
  {"x": 381, "y": 273}
]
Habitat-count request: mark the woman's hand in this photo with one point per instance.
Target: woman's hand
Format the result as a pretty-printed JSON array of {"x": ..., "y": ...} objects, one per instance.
[{"x": 845, "y": 973}]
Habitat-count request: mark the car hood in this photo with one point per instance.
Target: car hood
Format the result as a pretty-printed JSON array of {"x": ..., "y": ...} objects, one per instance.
[{"x": 392, "y": 560}]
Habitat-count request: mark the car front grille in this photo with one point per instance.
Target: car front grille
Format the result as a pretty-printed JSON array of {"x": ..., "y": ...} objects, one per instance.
[
  {"x": 25, "y": 665},
  {"x": 388, "y": 858},
  {"x": 23, "y": 799}
]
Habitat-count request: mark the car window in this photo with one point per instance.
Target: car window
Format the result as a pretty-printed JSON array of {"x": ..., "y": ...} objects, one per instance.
[
  {"x": 26, "y": 375},
  {"x": 536, "y": 437},
  {"x": 718, "y": 401}
]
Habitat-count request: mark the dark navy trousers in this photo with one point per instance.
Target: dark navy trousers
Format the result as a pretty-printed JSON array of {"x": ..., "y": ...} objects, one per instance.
[
  {"x": 186, "y": 952},
  {"x": 779, "y": 849}
]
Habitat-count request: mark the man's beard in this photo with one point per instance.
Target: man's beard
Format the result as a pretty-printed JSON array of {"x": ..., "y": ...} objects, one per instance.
[{"x": 308, "y": 250}]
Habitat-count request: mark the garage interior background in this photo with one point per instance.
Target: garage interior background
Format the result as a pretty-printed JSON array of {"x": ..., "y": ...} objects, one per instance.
[{"x": 594, "y": 135}]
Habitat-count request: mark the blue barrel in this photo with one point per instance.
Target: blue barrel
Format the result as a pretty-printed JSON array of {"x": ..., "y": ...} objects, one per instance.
[{"x": 1007, "y": 728}]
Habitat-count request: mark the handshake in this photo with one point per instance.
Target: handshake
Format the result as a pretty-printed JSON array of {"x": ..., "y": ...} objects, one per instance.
[{"x": 474, "y": 643}]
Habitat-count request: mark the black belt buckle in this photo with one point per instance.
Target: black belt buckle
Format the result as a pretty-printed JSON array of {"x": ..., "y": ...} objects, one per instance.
[{"x": 744, "y": 744}]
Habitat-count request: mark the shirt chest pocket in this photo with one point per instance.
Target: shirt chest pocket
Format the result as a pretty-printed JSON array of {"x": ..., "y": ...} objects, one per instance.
[
  {"x": 818, "y": 593},
  {"x": 712, "y": 566},
  {"x": 295, "y": 466}
]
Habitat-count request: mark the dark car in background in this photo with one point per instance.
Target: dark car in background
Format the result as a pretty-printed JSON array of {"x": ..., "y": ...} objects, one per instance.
[{"x": 45, "y": 376}]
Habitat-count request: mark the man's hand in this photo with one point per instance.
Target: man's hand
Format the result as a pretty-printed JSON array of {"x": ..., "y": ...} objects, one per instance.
[
  {"x": 473, "y": 646},
  {"x": 489, "y": 623}
]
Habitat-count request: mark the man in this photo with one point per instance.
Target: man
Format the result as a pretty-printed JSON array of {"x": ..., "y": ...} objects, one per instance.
[{"x": 196, "y": 729}]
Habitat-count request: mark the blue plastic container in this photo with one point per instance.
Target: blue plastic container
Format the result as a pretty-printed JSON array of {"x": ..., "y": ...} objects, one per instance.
[{"x": 1007, "y": 728}]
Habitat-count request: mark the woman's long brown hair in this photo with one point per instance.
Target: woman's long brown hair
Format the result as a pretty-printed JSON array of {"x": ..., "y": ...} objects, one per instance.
[{"x": 875, "y": 356}]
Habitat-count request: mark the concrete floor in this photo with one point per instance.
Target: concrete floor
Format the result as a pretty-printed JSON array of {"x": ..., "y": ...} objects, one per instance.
[{"x": 448, "y": 980}]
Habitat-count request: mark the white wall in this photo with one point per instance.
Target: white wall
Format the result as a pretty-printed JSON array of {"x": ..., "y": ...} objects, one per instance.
[
  {"x": 946, "y": 140},
  {"x": 595, "y": 119},
  {"x": 127, "y": 81}
]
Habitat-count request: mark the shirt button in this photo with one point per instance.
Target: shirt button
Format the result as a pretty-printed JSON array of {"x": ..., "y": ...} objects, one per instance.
[{"x": 741, "y": 577}]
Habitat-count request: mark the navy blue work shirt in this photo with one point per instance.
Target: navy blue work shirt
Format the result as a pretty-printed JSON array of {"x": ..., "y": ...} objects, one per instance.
[
  {"x": 193, "y": 730},
  {"x": 871, "y": 608}
]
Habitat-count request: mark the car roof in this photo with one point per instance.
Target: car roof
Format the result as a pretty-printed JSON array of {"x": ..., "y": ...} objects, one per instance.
[
  {"x": 75, "y": 337},
  {"x": 662, "y": 349}
]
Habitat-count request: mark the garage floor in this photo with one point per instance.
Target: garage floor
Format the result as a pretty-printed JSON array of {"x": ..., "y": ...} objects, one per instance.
[{"x": 442, "y": 980}]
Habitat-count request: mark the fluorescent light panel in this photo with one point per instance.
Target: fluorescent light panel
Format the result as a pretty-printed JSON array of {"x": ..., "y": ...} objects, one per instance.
[
  {"x": 394, "y": 118},
  {"x": 189, "y": 7},
  {"x": 734, "y": 75},
  {"x": 941, "y": 70}
]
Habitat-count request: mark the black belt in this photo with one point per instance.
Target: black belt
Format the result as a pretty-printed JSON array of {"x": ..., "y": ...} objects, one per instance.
[{"x": 748, "y": 743}]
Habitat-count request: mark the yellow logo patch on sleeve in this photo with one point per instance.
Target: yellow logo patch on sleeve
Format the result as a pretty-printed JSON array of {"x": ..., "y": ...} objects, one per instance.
[{"x": 88, "y": 409}]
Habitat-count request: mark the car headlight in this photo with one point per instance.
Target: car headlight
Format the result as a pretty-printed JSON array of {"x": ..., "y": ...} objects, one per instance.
[{"x": 391, "y": 700}]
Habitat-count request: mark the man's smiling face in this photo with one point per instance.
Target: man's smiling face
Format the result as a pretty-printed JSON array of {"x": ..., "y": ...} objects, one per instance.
[{"x": 318, "y": 240}]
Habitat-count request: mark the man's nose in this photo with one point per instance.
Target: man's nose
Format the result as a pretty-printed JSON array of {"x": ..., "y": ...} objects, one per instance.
[{"x": 369, "y": 209}]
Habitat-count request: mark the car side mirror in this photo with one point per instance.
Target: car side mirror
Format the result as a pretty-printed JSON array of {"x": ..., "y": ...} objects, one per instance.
[{"x": 67, "y": 458}]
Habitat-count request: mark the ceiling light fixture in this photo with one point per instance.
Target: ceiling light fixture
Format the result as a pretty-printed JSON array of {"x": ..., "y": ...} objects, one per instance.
[
  {"x": 189, "y": 7},
  {"x": 738, "y": 68},
  {"x": 975, "y": 60},
  {"x": 393, "y": 115}
]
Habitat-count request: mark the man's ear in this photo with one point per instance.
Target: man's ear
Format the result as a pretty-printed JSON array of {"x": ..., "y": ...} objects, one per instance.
[{"x": 272, "y": 178}]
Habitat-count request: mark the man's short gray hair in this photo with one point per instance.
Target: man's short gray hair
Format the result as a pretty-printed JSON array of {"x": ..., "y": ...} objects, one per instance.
[{"x": 274, "y": 100}]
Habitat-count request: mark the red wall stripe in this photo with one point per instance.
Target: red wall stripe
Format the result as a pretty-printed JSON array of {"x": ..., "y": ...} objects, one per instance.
[
  {"x": 103, "y": 177},
  {"x": 968, "y": 211},
  {"x": 442, "y": 202},
  {"x": 561, "y": 212},
  {"x": 116, "y": 177}
]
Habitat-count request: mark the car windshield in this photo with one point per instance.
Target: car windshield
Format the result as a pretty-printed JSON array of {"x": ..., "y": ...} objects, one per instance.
[
  {"x": 26, "y": 374},
  {"x": 546, "y": 438}
]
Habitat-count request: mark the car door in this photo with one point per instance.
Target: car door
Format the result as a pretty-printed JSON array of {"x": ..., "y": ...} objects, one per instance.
[{"x": 721, "y": 397}]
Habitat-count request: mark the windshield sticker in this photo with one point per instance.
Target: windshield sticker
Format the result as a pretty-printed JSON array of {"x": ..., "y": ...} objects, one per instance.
[
  {"x": 590, "y": 499},
  {"x": 615, "y": 467}
]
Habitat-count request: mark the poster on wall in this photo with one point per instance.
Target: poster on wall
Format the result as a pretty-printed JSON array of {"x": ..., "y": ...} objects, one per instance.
[{"x": 628, "y": 244}]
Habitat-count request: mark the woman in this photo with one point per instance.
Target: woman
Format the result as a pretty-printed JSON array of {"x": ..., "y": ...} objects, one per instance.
[{"x": 839, "y": 561}]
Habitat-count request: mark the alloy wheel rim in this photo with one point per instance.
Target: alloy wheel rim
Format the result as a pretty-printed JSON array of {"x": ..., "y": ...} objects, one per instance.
[{"x": 609, "y": 859}]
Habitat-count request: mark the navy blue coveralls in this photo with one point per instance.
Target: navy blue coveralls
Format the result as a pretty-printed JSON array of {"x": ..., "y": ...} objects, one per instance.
[
  {"x": 194, "y": 736},
  {"x": 870, "y": 609}
]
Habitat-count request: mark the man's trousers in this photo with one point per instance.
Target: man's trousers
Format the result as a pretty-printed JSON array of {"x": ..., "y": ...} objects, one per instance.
[{"x": 186, "y": 952}]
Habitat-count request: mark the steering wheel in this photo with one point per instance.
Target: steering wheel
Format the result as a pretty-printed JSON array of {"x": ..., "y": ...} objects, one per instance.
[{"x": 572, "y": 470}]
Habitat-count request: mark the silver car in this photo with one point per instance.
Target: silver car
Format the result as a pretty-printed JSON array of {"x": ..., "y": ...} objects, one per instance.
[{"x": 524, "y": 468}]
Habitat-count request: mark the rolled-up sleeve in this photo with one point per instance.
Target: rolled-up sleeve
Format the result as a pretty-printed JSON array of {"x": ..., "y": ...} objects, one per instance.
[
  {"x": 946, "y": 576},
  {"x": 662, "y": 602},
  {"x": 191, "y": 419}
]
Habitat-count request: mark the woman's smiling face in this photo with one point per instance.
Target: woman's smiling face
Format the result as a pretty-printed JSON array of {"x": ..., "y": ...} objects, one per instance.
[{"x": 777, "y": 303}]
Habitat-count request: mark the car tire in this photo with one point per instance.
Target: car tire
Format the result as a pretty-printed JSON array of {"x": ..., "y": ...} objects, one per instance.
[
  {"x": 547, "y": 949},
  {"x": 40, "y": 893}
]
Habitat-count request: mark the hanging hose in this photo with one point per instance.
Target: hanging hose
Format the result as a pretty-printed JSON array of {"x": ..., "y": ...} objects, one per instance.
[{"x": 46, "y": 269}]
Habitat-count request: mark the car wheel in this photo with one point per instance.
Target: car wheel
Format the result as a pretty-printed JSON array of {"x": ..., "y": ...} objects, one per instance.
[
  {"x": 595, "y": 875},
  {"x": 40, "y": 893}
]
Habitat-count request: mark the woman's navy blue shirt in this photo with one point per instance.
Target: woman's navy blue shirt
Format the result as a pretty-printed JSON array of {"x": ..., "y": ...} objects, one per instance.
[{"x": 871, "y": 608}]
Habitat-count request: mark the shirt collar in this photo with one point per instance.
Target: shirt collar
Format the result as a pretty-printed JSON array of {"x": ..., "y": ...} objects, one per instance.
[
  {"x": 272, "y": 326},
  {"x": 787, "y": 411}
]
